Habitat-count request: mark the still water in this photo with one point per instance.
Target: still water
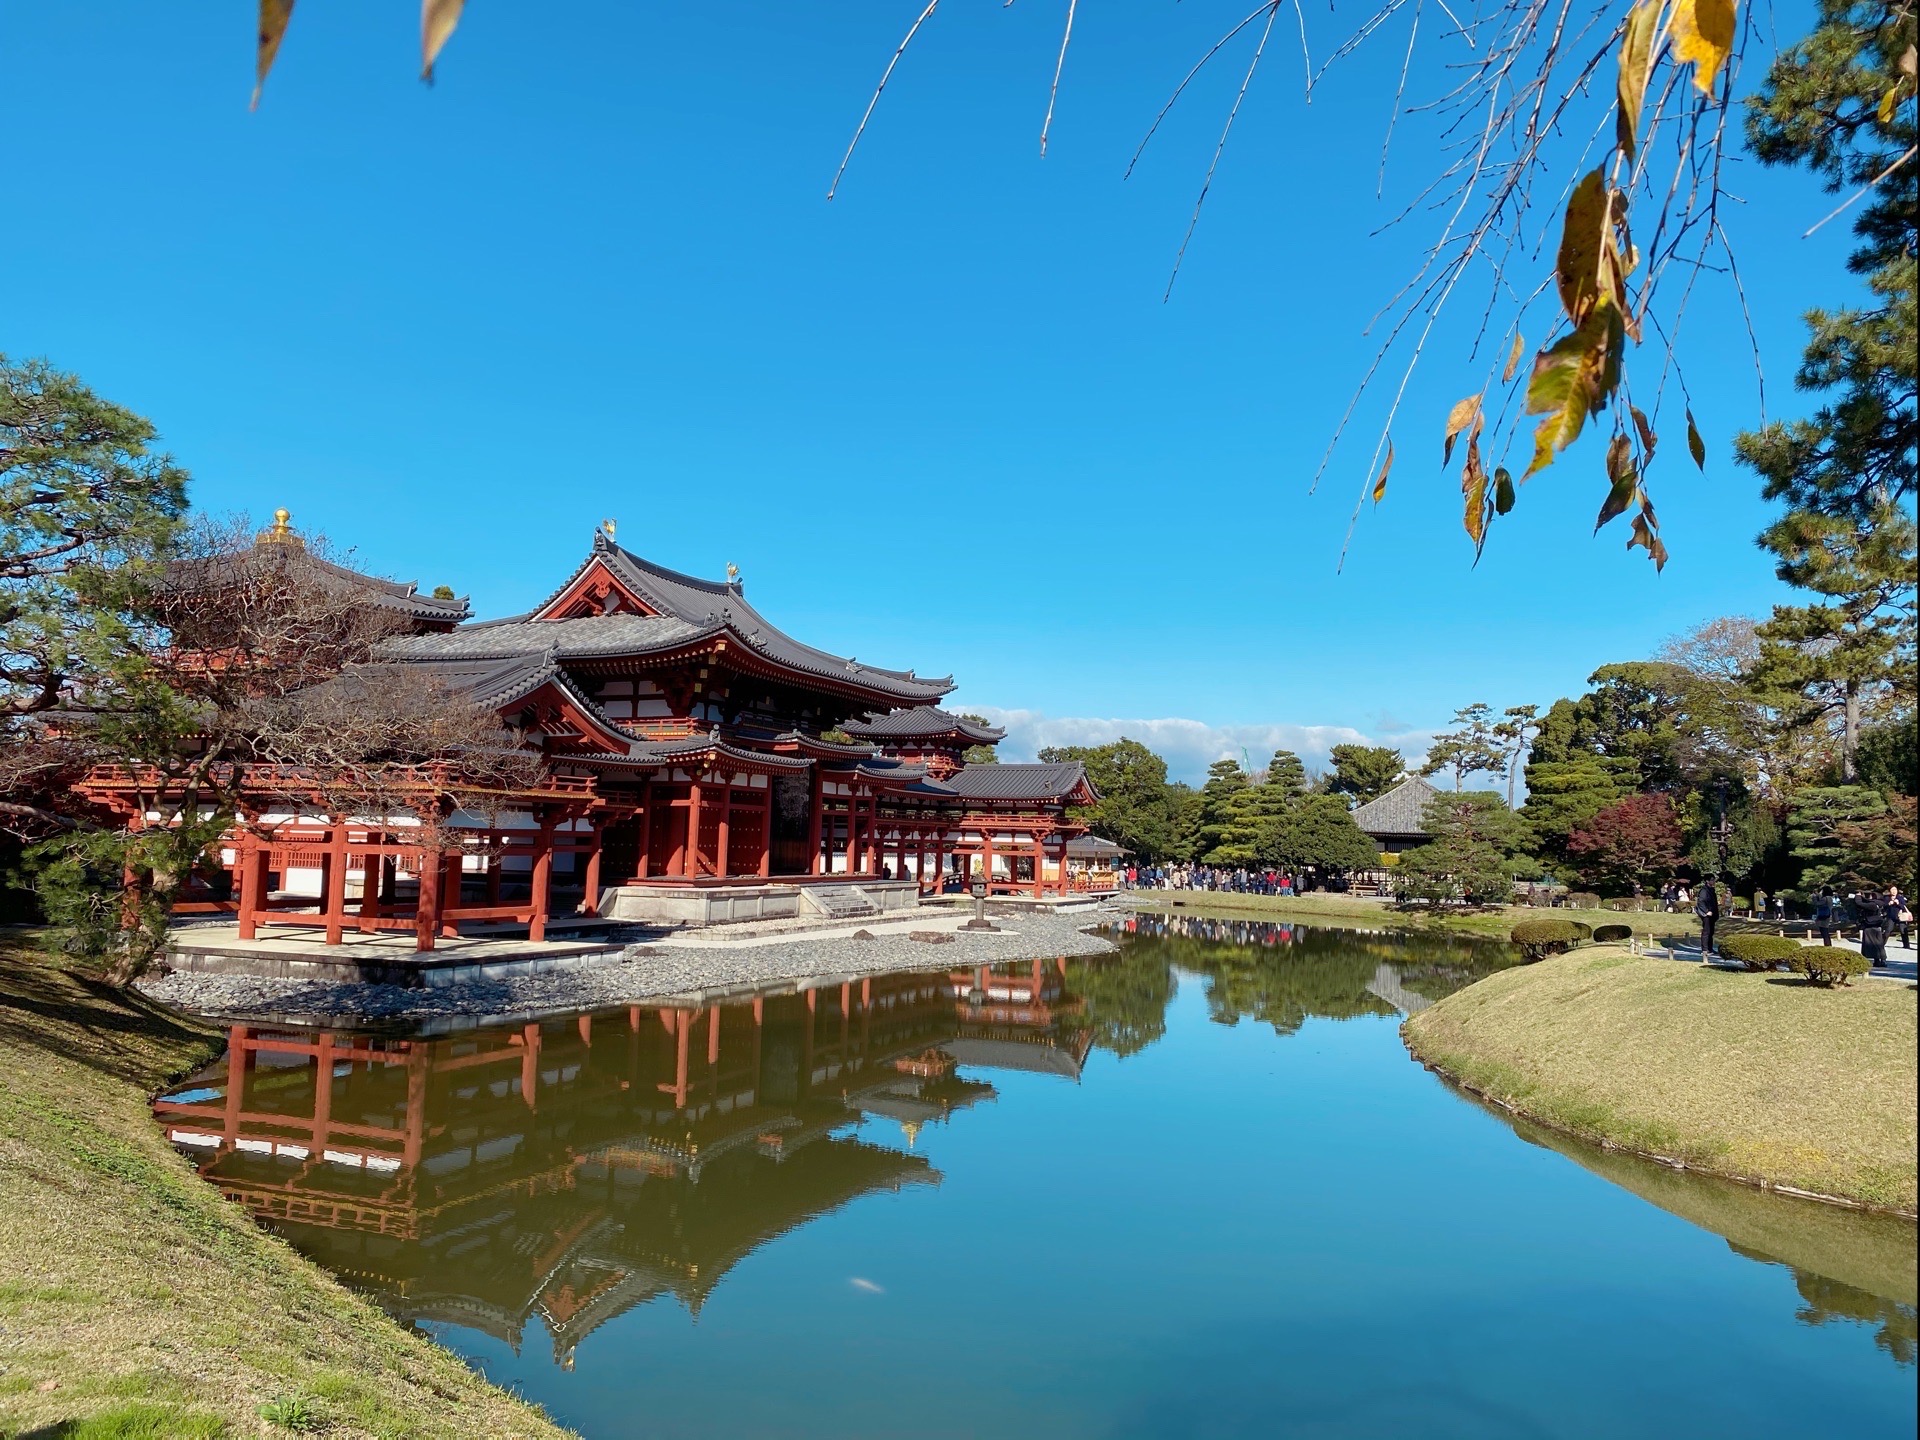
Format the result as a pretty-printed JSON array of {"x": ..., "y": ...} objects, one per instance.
[{"x": 1197, "y": 1188}]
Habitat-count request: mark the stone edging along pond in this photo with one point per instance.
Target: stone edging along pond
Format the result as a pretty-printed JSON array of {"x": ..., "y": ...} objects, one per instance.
[{"x": 1675, "y": 1064}]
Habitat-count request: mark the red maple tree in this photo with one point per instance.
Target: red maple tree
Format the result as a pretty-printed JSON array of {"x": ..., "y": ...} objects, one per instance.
[{"x": 1629, "y": 844}]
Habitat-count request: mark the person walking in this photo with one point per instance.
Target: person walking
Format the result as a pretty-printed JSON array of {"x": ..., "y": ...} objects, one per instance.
[
  {"x": 1871, "y": 911},
  {"x": 1823, "y": 903},
  {"x": 1706, "y": 906},
  {"x": 1900, "y": 913}
]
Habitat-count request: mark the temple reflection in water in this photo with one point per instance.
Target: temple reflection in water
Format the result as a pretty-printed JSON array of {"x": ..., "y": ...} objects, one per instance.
[{"x": 576, "y": 1167}]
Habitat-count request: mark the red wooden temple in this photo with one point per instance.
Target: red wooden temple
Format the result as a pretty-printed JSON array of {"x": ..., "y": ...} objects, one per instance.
[{"x": 685, "y": 740}]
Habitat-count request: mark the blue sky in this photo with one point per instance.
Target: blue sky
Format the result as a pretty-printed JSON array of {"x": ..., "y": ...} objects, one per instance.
[{"x": 943, "y": 421}]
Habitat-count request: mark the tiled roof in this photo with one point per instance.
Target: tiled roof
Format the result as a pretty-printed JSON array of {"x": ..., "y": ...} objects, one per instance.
[
  {"x": 921, "y": 722},
  {"x": 711, "y": 604},
  {"x": 1397, "y": 813},
  {"x": 584, "y": 639},
  {"x": 399, "y": 595},
  {"x": 1053, "y": 781},
  {"x": 1095, "y": 847}
]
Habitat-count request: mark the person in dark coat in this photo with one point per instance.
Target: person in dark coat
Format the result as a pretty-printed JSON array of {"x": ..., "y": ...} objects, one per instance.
[
  {"x": 1871, "y": 911},
  {"x": 1706, "y": 906},
  {"x": 1823, "y": 907}
]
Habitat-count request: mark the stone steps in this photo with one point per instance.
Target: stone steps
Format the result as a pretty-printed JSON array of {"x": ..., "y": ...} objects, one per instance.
[{"x": 840, "y": 902}]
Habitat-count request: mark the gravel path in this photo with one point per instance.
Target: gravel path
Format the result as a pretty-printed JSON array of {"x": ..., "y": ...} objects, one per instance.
[{"x": 644, "y": 973}]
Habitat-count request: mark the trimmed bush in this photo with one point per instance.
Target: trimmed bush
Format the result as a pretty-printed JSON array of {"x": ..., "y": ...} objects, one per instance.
[
  {"x": 1758, "y": 952},
  {"x": 1611, "y": 934},
  {"x": 1538, "y": 939},
  {"x": 1828, "y": 965},
  {"x": 1584, "y": 900}
]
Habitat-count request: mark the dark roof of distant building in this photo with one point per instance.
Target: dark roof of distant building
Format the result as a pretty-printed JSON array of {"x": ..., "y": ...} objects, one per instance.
[
  {"x": 282, "y": 540},
  {"x": 1095, "y": 847},
  {"x": 1046, "y": 781},
  {"x": 920, "y": 723},
  {"x": 1397, "y": 814}
]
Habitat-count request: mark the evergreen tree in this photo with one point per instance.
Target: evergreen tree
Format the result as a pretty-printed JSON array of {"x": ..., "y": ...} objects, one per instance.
[
  {"x": 1136, "y": 805},
  {"x": 1213, "y": 822},
  {"x": 1365, "y": 772},
  {"x": 1469, "y": 749},
  {"x": 1475, "y": 839},
  {"x": 1841, "y": 103},
  {"x": 1318, "y": 830}
]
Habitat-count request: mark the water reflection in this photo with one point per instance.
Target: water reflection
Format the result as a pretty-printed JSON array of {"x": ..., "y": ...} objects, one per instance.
[
  {"x": 571, "y": 1170},
  {"x": 1846, "y": 1266},
  {"x": 575, "y": 1168},
  {"x": 1285, "y": 975}
]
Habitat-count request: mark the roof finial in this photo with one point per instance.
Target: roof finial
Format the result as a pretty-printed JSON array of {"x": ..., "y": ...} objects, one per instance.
[
  {"x": 733, "y": 576},
  {"x": 607, "y": 525},
  {"x": 281, "y": 532}
]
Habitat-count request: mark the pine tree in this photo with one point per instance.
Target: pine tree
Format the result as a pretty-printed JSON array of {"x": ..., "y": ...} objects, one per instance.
[{"x": 1842, "y": 104}]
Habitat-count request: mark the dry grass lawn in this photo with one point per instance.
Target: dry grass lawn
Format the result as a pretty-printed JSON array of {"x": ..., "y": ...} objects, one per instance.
[
  {"x": 134, "y": 1301},
  {"x": 1756, "y": 1077}
]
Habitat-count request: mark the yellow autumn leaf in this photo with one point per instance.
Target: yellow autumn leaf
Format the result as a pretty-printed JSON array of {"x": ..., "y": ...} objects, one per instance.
[
  {"x": 1584, "y": 239},
  {"x": 1703, "y": 34},
  {"x": 1513, "y": 357},
  {"x": 274, "y": 15},
  {"x": 1463, "y": 414},
  {"x": 1386, "y": 469},
  {"x": 437, "y": 21},
  {"x": 1636, "y": 56}
]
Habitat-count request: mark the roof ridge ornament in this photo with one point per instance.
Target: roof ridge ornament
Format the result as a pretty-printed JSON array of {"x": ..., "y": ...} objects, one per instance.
[{"x": 734, "y": 581}]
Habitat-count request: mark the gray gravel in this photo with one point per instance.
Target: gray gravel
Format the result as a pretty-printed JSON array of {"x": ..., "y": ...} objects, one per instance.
[{"x": 643, "y": 973}]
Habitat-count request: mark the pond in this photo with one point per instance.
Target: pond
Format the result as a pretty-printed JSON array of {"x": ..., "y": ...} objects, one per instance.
[{"x": 1194, "y": 1188}]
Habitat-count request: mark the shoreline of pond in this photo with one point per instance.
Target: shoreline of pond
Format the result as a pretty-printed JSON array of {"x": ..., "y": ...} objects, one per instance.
[
  {"x": 1700, "y": 1089},
  {"x": 117, "y": 1251},
  {"x": 645, "y": 974}
]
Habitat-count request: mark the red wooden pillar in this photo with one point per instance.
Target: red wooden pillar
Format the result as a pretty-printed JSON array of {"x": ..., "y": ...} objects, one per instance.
[
  {"x": 371, "y": 865},
  {"x": 416, "y": 1128},
  {"x": 939, "y": 860},
  {"x": 590, "y": 902},
  {"x": 530, "y": 1064},
  {"x": 542, "y": 880},
  {"x": 690, "y": 857},
  {"x": 813, "y": 821},
  {"x": 723, "y": 859},
  {"x": 452, "y": 867},
  {"x": 253, "y": 883},
  {"x": 322, "y": 1091},
  {"x": 646, "y": 828},
  {"x": 766, "y": 831},
  {"x": 426, "y": 913},
  {"x": 713, "y": 1035},
  {"x": 236, "y": 1084},
  {"x": 682, "y": 1026},
  {"x": 986, "y": 857},
  {"x": 333, "y": 881}
]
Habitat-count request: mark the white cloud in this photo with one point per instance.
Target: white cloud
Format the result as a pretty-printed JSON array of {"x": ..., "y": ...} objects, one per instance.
[{"x": 1190, "y": 746}]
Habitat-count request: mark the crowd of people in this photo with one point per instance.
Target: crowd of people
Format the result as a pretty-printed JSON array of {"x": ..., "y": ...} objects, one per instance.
[
  {"x": 1877, "y": 915},
  {"x": 1235, "y": 880}
]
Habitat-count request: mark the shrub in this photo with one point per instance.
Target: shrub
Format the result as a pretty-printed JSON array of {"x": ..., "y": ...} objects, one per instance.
[
  {"x": 1538, "y": 939},
  {"x": 1828, "y": 964},
  {"x": 1758, "y": 952},
  {"x": 1584, "y": 900},
  {"x": 1611, "y": 934}
]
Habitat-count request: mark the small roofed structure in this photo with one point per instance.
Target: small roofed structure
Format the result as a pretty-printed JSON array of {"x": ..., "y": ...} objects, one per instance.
[
  {"x": 925, "y": 735},
  {"x": 1395, "y": 820}
]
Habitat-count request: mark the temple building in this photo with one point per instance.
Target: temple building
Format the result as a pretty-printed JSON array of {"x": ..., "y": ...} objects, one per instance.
[{"x": 698, "y": 768}]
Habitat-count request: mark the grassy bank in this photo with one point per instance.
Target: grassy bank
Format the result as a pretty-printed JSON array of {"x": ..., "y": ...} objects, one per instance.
[
  {"x": 134, "y": 1301},
  {"x": 1378, "y": 914},
  {"x": 1754, "y": 1077}
]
